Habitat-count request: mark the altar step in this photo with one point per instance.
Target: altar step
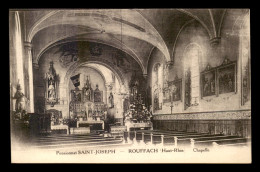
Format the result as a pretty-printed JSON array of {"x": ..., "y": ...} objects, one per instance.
[{"x": 80, "y": 130}]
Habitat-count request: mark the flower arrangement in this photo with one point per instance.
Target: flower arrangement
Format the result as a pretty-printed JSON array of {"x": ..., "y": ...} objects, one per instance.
[{"x": 137, "y": 113}]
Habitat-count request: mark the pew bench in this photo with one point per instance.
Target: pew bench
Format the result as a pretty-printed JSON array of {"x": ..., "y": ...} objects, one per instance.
[{"x": 220, "y": 141}]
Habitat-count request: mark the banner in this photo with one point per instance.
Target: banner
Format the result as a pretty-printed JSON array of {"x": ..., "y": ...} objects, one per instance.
[{"x": 75, "y": 80}]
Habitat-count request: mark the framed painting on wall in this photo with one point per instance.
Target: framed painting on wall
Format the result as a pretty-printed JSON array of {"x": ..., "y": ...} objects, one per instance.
[
  {"x": 227, "y": 78},
  {"x": 76, "y": 95},
  {"x": 208, "y": 82},
  {"x": 98, "y": 96},
  {"x": 175, "y": 87},
  {"x": 166, "y": 95}
]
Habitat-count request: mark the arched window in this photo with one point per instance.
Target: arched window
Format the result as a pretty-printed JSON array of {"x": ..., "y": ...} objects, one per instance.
[
  {"x": 157, "y": 81},
  {"x": 245, "y": 61},
  {"x": 192, "y": 75}
]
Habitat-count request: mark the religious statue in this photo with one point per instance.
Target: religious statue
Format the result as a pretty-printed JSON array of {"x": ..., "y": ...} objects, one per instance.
[
  {"x": 212, "y": 86},
  {"x": 111, "y": 100},
  {"x": 20, "y": 101},
  {"x": 206, "y": 87},
  {"x": 51, "y": 90},
  {"x": 87, "y": 91},
  {"x": 230, "y": 83},
  {"x": 51, "y": 80},
  {"x": 88, "y": 94}
]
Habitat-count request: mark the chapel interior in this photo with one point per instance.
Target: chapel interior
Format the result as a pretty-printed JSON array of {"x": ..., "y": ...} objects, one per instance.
[{"x": 82, "y": 77}]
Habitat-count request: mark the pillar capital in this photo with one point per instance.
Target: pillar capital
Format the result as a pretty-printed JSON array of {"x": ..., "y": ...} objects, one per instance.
[
  {"x": 28, "y": 45},
  {"x": 169, "y": 64},
  {"x": 215, "y": 41},
  {"x": 35, "y": 66},
  {"x": 145, "y": 75}
]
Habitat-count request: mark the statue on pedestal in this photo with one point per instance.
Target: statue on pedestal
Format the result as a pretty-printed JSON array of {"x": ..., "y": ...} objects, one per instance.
[
  {"x": 87, "y": 91},
  {"x": 51, "y": 90},
  {"x": 51, "y": 80},
  {"x": 20, "y": 102},
  {"x": 111, "y": 100}
]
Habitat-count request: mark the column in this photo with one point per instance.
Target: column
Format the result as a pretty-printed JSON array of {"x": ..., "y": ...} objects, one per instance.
[
  {"x": 119, "y": 109},
  {"x": 122, "y": 109},
  {"x": 28, "y": 56},
  {"x": 19, "y": 51}
]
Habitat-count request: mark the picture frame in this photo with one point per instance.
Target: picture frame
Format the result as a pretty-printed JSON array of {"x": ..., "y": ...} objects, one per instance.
[
  {"x": 76, "y": 95},
  {"x": 208, "y": 80},
  {"x": 227, "y": 78},
  {"x": 98, "y": 96},
  {"x": 176, "y": 88}
]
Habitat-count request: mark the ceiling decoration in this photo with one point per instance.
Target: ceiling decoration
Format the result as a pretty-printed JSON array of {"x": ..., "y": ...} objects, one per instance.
[
  {"x": 134, "y": 31},
  {"x": 95, "y": 49}
]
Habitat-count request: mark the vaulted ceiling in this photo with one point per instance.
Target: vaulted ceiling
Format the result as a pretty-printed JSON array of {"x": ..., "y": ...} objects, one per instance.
[{"x": 134, "y": 31}]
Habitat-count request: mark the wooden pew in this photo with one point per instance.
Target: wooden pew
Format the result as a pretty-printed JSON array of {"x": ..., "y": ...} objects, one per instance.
[
  {"x": 184, "y": 138},
  {"x": 73, "y": 141},
  {"x": 187, "y": 140},
  {"x": 222, "y": 141}
]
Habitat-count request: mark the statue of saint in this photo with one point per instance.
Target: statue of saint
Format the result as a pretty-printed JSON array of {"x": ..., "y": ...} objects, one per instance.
[
  {"x": 206, "y": 87},
  {"x": 20, "y": 102},
  {"x": 51, "y": 84},
  {"x": 87, "y": 90},
  {"x": 51, "y": 74},
  {"x": 111, "y": 100},
  {"x": 51, "y": 90},
  {"x": 88, "y": 94}
]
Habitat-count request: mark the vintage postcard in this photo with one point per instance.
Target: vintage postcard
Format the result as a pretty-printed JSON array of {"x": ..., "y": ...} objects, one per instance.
[{"x": 130, "y": 85}]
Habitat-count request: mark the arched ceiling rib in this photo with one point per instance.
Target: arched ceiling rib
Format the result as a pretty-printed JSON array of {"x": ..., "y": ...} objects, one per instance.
[
  {"x": 118, "y": 22},
  {"x": 105, "y": 79},
  {"x": 48, "y": 38},
  {"x": 115, "y": 71},
  {"x": 148, "y": 28},
  {"x": 107, "y": 73}
]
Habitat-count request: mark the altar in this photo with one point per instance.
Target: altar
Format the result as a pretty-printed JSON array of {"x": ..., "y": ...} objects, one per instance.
[
  {"x": 87, "y": 108},
  {"x": 59, "y": 128}
]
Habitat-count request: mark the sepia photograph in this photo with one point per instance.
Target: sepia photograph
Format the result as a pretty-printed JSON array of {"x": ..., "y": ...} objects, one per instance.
[{"x": 161, "y": 85}]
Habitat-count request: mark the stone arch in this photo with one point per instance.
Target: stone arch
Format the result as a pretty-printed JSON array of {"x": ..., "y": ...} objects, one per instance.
[
  {"x": 31, "y": 31},
  {"x": 97, "y": 70},
  {"x": 176, "y": 39},
  {"x": 107, "y": 64},
  {"x": 188, "y": 46},
  {"x": 125, "y": 49},
  {"x": 154, "y": 39},
  {"x": 201, "y": 22}
]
